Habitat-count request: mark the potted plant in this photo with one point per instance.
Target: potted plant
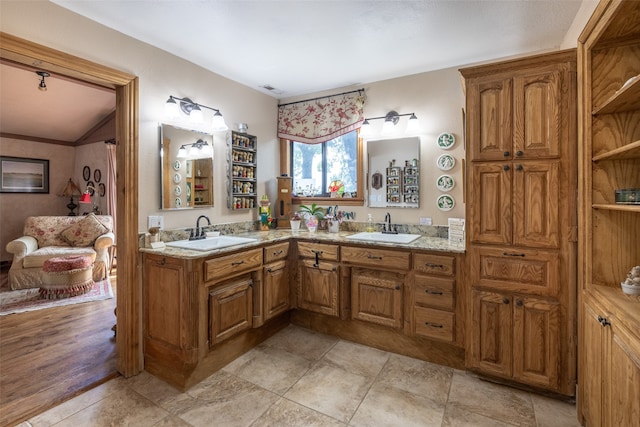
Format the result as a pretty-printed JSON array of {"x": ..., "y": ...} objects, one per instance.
[
  {"x": 295, "y": 221},
  {"x": 312, "y": 215}
]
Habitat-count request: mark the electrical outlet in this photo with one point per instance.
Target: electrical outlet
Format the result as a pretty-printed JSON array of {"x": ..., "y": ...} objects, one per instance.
[
  {"x": 156, "y": 221},
  {"x": 425, "y": 221}
]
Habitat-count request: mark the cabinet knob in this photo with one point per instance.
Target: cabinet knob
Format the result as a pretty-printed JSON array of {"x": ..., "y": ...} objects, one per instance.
[
  {"x": 506, "y": 154},
  {"x": 603, "y": 321},
  {"x": 506, "y": 167},
  {"x": 506, "y": 301},
  {"x": 519, "y": 303},
  {"x": 519, "y": 153},
  {"x": 398, "y": 287},
  {"x": 519, "y": 167}
]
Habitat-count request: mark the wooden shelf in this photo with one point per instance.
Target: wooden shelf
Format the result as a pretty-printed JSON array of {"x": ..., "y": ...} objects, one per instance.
[
  {"x": 627, "y": 98},
  {"x": 616, "y": 207},
  {"x": 629, "y": 151}
]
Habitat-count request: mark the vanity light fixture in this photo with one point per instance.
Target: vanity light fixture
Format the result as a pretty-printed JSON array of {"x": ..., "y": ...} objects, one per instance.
[
  {"x": 43, "y": 85},
  {"x": 194, "y": 111},
  {"x": 391, "y": 119},
  {"x": 199, "y": 148}
]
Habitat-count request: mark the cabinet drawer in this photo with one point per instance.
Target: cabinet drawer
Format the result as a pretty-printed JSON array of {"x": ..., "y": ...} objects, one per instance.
[
  {"x": 218, "y": 268},
  {"x": 376, "y": 257},
  {"x": 324, "y": 251},
  {"x": 516, "y": 270},
  {"x": 434, "y": 292},
  {"x": 444, "y": 265},
  {"x": 276, "y": 252},
  {"x": 432, "y": 323}
]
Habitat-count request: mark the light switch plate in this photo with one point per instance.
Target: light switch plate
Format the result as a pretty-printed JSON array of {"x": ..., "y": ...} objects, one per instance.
[
  {"x": 425, "y": 221},
  {"x": 156, "y": 221}
]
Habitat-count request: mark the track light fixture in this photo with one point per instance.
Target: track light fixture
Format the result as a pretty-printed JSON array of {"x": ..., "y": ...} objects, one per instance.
[
  {"x": 199, "y": 148},
  {"x": 194, "y": 111},
  {"x": 391, "y": 119},
  {"x": 43, "y": 85}
]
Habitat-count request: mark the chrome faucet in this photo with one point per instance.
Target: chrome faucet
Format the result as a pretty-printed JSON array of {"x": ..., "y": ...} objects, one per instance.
[
  {"x": 198, "y": 233},
  {"x": 387, "y": 228}
]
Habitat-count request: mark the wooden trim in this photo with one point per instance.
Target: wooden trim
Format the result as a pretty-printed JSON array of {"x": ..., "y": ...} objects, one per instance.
[
  {"x": 537, "y": 61},
  {"x": 36, "y": 139},
  {"x": 22, "y": 51}
]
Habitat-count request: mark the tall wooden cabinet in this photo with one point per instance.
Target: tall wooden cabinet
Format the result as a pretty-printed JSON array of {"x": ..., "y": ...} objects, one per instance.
[
  {"x": 609, "y": 123},
  {"x": 522, "y": 220}
]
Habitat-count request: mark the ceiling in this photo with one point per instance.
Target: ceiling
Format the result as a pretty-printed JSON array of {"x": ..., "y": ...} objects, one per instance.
[
  {"x": 305, "y": 46},
  {"x": 297, "y": 47},
  {"x": 64, "y": 113}
]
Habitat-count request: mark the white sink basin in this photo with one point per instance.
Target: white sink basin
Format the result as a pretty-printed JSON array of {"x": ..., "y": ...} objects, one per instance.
[
  {"x": 210, "y": 243},
  {"x": 382, "y": 237}
]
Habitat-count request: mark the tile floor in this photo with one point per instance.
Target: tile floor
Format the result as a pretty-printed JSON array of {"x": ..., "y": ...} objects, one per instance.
[{"x": 302, "y": 378}]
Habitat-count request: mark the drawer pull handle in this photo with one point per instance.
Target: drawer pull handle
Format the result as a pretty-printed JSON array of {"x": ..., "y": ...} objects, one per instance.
[
  {"x": 316, "y": 252},
  {"x": 603, "y": 321},
  {"x": 434, "y": 325},
  {"x": 433, "y": 292},
  {"x": 237, "y": 263},
  {"x": 431, "y": 265},
  {"x": 269, "y": 270},
  {"x": 512, "y": 254},
  {"x": 374, "y": 257},
  {"x": 278, "y": 253}
]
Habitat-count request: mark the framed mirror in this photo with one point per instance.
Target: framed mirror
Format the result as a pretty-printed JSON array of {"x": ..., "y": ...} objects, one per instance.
[
  {"x": 393, "y": 169},
  {"x": 186, "y": 164}
]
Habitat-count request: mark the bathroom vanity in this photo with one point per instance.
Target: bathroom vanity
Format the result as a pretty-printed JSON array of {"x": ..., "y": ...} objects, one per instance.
[{"x": 203, "y": 309}]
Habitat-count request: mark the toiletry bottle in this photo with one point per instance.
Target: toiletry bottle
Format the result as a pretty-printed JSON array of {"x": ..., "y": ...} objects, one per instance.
[{"x": 370, "y": 228}]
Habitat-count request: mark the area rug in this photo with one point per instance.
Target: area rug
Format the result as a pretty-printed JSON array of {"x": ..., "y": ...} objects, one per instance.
[{"x": 24, "y": 300}]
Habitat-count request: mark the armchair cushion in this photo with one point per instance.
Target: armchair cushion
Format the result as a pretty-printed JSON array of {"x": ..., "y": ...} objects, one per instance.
[
  {"x": 39, "y": 256},
  {"x": 84, "y": 232}
]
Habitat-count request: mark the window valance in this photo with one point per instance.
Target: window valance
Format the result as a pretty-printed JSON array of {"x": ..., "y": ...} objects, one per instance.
[{"x": 318, "y": 120}]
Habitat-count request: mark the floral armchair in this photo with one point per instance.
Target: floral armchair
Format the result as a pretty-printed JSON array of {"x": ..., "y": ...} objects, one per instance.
[{"x": 59, "y": 236}]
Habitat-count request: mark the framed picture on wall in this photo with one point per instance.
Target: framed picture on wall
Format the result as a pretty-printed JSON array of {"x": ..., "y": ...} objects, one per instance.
[{"x": 22, "y": 175}]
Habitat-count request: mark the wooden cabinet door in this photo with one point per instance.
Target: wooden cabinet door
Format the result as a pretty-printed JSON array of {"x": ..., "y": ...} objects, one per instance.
[
  {"x": 591, "y": 379},
  {"x": 536, "y": 201},
  {"x": 489, "y": 106},
  {"x": 491, "y": 333},
  {"x": 376, "y": 296},
  {"x": 230, "y": 309},
  {"x": 537, "y": 114},
  {"x": 490, "y": 202},
  {"x": 622, "y": 402},
  {"x": 536, "y": 341},
  {"x": 318, "y": 287},
  {"x": 276, "y": 289}
]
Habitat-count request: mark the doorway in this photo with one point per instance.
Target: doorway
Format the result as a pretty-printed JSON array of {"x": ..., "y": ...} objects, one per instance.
[{"x": 128, "y": 340}]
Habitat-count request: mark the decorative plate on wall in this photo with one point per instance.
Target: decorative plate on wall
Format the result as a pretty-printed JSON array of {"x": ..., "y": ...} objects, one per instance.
[
  {"x": 178, "y": 202},
  {"x": 97, "y": 175},
  {"x": 177, "y": 190},
  {"x": 446, "y": 140},
  {"x": 445, "y": 183},
  {"x": 102, "y": 189},
  {"x": 177, "y": 178},
  {"x": 445, "y": 202},
  {"x": 86, "y": 173},
  {"x": 176, "y": 165},
  {"x": 446, "y": 162}
]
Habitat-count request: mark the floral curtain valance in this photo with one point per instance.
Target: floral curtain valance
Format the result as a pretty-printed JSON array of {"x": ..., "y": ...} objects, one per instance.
[{"x": 322, "y": 119}]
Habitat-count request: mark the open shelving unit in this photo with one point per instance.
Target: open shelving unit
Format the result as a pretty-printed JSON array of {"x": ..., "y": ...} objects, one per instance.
[{"x": 242, "y": 161}]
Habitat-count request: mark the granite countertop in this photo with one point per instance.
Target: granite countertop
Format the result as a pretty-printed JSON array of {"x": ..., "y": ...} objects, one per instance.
[{"x": 275, "y": 236}]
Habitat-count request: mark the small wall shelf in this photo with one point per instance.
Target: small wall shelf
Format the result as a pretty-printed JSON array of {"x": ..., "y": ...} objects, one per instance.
[{"x": 242, "y": 161}]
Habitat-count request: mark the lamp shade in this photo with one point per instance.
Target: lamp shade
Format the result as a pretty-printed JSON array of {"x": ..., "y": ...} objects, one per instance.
[
  {"x": 85, "y": 198},
  {"x": 218, "y": 122},
  {"x": 171, "y": 108},
  {"x": 413, "y": 126},
  {"x": 69, "y": 190}
]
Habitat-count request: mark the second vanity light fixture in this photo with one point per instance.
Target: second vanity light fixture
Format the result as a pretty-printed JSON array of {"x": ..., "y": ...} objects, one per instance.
[
  {"x": 194, "y": 111},
  {"x": 199, "y": 148},
  {"x": 390, "y": 120}
]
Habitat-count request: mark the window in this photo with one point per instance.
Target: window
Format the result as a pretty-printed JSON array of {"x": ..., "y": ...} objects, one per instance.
[{"x": 315, "y": 166}]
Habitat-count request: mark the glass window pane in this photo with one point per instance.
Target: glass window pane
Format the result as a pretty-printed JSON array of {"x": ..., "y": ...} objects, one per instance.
[
  {"x": 342, "y": 161},
  {"x": 306, "y": 168}
]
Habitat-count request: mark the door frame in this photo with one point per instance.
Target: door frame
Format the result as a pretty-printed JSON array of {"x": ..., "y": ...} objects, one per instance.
[{"x": 128, "y": 338}]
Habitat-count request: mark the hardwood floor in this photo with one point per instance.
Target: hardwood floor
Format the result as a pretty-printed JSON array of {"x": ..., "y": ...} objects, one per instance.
[{"x": 48, "y": 356}]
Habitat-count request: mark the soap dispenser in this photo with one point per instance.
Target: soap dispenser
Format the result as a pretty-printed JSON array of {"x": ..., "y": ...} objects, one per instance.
[{"x": 370, "y": 228}]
